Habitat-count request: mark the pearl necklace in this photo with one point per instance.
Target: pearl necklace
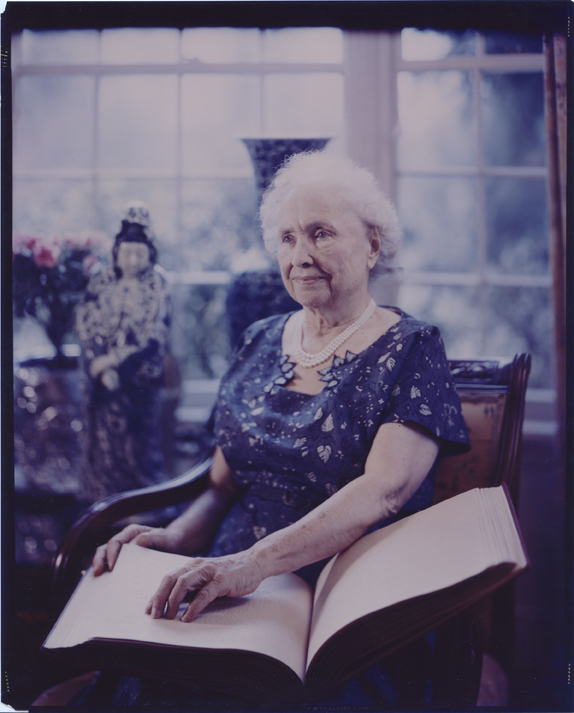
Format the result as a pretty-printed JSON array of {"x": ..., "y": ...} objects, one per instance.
[{"x": 306, "y": 359}]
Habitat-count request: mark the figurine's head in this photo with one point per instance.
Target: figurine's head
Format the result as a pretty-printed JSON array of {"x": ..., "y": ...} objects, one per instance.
[{"x": 134, "y": 248}]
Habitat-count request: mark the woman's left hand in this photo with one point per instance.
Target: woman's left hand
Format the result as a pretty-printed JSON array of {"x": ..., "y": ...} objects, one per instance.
[{"x": 231, "y": 576}]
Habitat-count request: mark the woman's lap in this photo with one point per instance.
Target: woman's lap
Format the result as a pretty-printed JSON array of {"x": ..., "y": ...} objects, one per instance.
[{"x": 401, "y": 681}]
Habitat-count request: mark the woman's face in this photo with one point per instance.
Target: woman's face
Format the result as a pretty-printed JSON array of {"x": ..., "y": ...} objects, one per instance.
[
  {"x": 325, "y": 252},
  {"x": 132, "y": 258}
]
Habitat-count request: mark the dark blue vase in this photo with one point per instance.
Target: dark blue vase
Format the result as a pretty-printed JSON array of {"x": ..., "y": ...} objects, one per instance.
[{"x": 268, "y": 154}]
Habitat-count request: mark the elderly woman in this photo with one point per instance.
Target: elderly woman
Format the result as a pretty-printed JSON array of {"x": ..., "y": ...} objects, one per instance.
[
  {"x": 329, "y": 420},
  {"x": 123, "y": 327}
]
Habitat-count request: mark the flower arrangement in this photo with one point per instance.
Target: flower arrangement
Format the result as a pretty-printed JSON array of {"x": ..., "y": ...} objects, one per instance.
[{"x": 50, "y": 274}]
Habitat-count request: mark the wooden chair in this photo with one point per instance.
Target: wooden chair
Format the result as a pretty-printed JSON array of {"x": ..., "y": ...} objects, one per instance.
[{"x": 492, "y": 393}]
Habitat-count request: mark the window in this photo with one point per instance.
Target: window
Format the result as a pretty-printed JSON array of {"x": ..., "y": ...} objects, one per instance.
[
  {"x": 104, "y": 117},
  {"x": 451, "y": 122},
  {"x": 471, "y": 191}
]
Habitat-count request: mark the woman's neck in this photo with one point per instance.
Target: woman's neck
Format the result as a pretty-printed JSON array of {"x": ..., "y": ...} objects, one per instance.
[{"x": 326, "y": 323}]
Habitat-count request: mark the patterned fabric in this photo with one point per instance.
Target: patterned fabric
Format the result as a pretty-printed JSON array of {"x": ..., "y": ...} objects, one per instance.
[
  {"x": 291, "y": 451},
  {"x": 121, "y": 433}
]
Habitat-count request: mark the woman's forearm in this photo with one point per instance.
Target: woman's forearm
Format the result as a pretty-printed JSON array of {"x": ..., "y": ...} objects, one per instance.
[
  {"x": 396, "y": 466},
  {"x": 399, "y": 461},
  {"x": 328, "y": 529}
]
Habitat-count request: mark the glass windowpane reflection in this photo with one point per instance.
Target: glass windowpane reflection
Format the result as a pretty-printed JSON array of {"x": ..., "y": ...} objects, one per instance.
[
  {"x": 200, "y": 343},
  {"x": 146, "y": 45},
  {"x": 309, "y": 105},
  {"x": 436, "y": 120},
  {"x": 54, "y": 122},
  {"x": 53, "y": 206},
  {"x": 520, "y": 320},
  {"x": 60, "y": 47},
  {"x": 513, "y": 119},
  {"x": 454, "y": 310},
  {"x": 221, "y": 44},
  {"x": 430, "y": 44},
  {"x": 219, "y": 222},
  {"x": 303, "y": 44},
  {"x": 517, "y": 226},
  {"x": 216, "y": 112},
  {"x": 125, "y": 141},
  {"x": 439, "y": 217},
  {"x": 511, "y": 43}
]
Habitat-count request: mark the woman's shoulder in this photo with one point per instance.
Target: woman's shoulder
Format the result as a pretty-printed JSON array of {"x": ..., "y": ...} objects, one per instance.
[
  {"x": 412, "y": 329},
  {"x": 409, "y": 346}
]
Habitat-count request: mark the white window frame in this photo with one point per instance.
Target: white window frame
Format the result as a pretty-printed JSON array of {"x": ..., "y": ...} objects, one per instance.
[{"x": 372, "y": 60}]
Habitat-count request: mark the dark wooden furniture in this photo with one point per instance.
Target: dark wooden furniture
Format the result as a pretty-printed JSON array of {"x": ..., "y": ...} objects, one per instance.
[{"x": 492, "y": 393}]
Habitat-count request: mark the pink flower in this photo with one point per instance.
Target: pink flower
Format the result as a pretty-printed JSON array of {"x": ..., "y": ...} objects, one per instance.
[
  {"x": 25, "y": 242},
  {"x": 89, "y": 261},
  {"x": 46, "y": 252}
]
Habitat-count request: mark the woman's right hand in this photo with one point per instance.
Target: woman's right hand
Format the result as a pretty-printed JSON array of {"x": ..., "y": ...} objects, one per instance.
[{"x": 154, "y": 537}]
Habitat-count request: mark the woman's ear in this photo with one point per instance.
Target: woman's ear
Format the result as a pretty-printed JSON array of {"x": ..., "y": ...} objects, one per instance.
[{"x": 375, "y": 245}]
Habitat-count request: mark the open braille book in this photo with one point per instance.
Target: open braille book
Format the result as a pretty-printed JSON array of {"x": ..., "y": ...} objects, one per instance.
[{"x": 285, "y": 640}]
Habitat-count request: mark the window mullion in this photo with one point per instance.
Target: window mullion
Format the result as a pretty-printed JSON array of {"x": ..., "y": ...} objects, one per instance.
[
  {"x": 370, "y": 86},
  {"x": 95, "y": 139},
  {"x": 481, "y": 203}
]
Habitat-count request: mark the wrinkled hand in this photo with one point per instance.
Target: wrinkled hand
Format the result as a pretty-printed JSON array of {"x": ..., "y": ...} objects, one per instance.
[
  {"x": 231, "y": 576},
  {"x": 153, "y": 537}
]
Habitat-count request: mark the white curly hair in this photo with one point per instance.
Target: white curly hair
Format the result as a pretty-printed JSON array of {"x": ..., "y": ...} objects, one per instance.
[{"x": 359, "y": 185}]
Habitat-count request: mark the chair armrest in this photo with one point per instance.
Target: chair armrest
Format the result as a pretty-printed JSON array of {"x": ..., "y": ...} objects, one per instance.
[{"x": 88, "y": 530}]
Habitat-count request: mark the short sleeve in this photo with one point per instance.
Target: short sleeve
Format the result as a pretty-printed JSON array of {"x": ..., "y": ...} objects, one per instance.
[{"x": 424, "y": 393}]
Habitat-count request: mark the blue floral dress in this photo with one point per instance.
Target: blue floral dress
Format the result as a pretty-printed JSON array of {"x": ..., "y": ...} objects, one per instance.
[{"x": 291, "y": 451}]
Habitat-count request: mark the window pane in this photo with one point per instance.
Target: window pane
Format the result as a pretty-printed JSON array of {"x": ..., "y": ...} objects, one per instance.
[
  {"x": 52, "y": 206},
  {"x": 306, "y": 105},
  {"x": 160, "y": 195},
  {"x": 135, "y": 46},
  {"x": 511, "y": 43},
  {"x": 54, "y": 122},
  {"x": 304, "y": 44},
  {"x": 513, "y": 119},
  {"x": 216, "y": 112},
  {"x": 60, "y": 47},
  {"x": 218, "y": 221},
  {"x": 435, "y": 119},
  {"x": 439, "y": 218},
  {"x": 125, "y": 141},
  {"x": 454, "y": 310},
  {"x": 520, "y": 320},
  {"x": 221, "y": 44},
  {"x": 429, "y": 44},
  {"x": 517, "y": 230},
  {"x": 200, "y": 343}
]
